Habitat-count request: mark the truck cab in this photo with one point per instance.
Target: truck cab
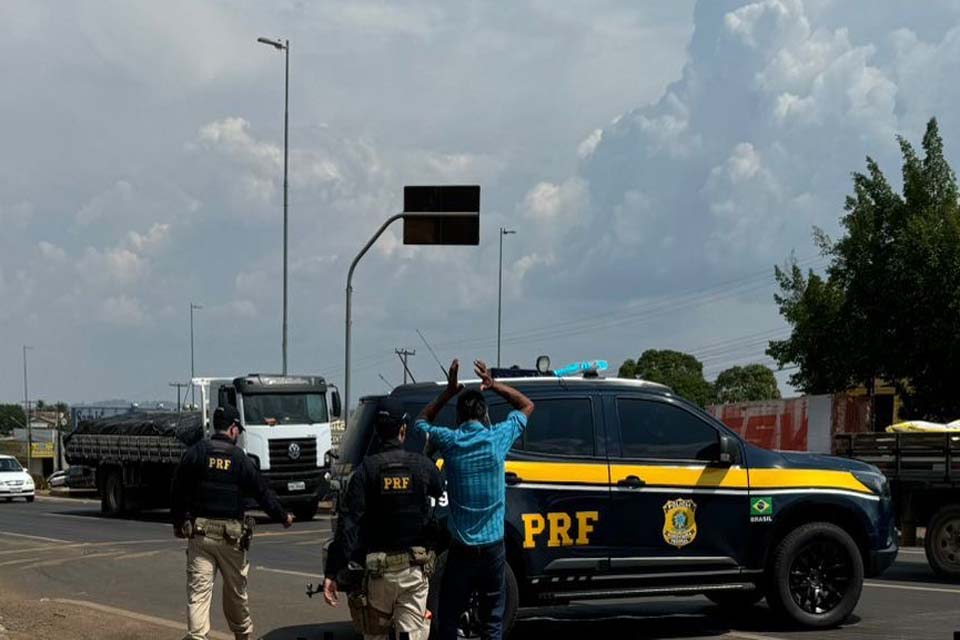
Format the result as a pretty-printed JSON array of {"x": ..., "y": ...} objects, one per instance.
[
  {"x": 620, "y": 488},
  {"x": 287, "y": 432}
]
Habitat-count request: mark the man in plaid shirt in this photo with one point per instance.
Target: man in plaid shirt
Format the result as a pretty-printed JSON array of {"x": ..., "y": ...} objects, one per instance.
[{"x": 473, "y": 458}]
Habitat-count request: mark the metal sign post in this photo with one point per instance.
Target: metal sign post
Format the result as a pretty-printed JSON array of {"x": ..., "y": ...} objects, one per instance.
[{"x": 444, "y": 215}]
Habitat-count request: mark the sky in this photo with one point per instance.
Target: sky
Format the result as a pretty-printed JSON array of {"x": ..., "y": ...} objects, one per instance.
[{"x": 655, "y": 159}]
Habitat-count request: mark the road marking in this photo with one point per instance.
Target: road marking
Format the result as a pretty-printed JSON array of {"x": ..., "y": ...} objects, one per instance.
[
  {"x": 909, "y": 587},
  {"x": 78, "y": 545},
  {"x": 270, "y": 534},
  {"x": 43, "y": 498},
  {"x": 746, "y": 636},
  {"x": 915, "y": 552},
  {"x": 58, "y": 562},
  {"x": 287, "y": 572},
  {"x": 40, "y": 538},
  {"x": 141, "y": 617},
  {"x": 142, "y": 554}
]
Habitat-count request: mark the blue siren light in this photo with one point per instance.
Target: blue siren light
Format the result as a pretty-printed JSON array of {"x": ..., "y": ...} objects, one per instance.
[{"x": 580, "y": 367}]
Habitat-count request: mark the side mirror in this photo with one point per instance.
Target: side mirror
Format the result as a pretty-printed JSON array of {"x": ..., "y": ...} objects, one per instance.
[
  {"x": 336, "y": 406},
  {"x": 729, "y": 450}
]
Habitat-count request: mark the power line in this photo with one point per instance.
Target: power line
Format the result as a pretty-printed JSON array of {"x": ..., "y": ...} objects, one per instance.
[{"x": 404, "y": 354}]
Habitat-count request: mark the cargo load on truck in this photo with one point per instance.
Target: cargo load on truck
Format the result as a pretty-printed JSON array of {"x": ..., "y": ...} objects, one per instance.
[{"x": 187, "y": 426}]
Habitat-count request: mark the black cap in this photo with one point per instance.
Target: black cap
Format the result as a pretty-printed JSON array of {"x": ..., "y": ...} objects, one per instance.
[
  {"x": 223, "y": 417},
  {"x": 391, "y": 408}
]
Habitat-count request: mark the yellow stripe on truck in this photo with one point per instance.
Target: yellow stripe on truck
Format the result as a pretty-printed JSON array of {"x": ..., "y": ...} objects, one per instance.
[
  {"x": 685, "y": 476},
  {"x": 805, "y": 478},
  {"x": 560, "y": 472}
]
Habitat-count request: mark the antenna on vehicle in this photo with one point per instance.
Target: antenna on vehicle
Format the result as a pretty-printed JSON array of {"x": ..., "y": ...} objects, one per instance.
[
  {"x": 430, "y": 349},
  {"x": 385, "y": 381}
]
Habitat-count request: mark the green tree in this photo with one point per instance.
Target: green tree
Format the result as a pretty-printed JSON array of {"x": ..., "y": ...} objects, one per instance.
[
  {"x": 680, "y": 371},
  {"x": 889, "y": 303},
  {"x": 746, "y": 384},
  {"x": 11, "y": 416}
]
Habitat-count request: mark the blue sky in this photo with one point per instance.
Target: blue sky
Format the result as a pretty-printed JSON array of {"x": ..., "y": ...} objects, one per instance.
[{"x": 657, "y": 159}]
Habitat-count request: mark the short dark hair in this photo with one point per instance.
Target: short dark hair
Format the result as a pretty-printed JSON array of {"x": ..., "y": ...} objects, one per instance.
[
  {"x": 224, "y": 417},
  {"x": 388, "y": 427},
  {"x": 471, "y": 405}
]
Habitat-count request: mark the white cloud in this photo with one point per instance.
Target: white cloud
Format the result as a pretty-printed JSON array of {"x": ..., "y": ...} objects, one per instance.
[
  {"x": 51, "y": 252},
  {"x": 123, "y": 312},
  {"x": 115, "y": 201},
  {"x": 115, "y": 266},
  {"x": 152, "y": 240},
  {"x": 589, "y": 144}
]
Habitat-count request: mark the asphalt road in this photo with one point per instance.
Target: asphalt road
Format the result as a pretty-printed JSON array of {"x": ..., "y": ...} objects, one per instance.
[{"x": 62, "y": 549}]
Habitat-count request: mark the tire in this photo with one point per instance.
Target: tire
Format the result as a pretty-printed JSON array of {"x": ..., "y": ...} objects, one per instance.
[
  {"x": 735, "y": 600},
  {"x": 30, "y": 498},
  {"x": 305, "y": 512},
  {"x": 942, "y": 542},
  {"x": 815, "y": 576},
  {"x": 113, "y": 494},
  {"x": 511, "y": 593}
]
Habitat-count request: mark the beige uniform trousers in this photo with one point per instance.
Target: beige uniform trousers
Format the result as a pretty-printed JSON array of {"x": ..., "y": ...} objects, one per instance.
[
  {"x": 404, "y": 593},
  {"x": 205, "y": 556}
]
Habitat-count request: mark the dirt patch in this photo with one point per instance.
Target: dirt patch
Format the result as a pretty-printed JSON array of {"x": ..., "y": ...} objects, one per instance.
[{"x": 24, "y": 619}]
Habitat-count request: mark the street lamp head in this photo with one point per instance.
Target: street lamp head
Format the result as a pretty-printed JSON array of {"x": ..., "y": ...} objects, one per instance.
[
  {"x": 507, "y": 232},
  {"x": 276, "y": 44}
]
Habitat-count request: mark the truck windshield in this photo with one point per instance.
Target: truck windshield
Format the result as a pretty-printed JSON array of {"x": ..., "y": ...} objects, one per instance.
[
  {"x": 9, "y": 464},
  {"x": 284, "y": 408}
]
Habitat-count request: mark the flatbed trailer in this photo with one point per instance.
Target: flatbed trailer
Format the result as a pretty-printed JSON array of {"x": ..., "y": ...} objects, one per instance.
[{"x": 924, "y": 474}]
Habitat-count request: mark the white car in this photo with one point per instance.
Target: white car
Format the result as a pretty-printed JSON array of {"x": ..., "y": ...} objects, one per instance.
[{"x": 14, "y": 481}]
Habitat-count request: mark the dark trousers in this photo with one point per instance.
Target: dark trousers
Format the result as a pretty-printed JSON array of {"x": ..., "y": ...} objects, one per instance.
[{"x": 469, "y": 570}]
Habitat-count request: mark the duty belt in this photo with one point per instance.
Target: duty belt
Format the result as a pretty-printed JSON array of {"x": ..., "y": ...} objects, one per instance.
[{"x": 230, "y": 531}]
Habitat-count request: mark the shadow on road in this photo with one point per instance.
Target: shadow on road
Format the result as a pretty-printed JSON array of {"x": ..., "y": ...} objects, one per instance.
[
  {"x": 330, "y": 631},
  {"x": 576, "y": 622}
]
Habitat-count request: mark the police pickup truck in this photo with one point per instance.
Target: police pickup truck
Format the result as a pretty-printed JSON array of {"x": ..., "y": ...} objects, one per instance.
[{"x": 620, "y": 488}]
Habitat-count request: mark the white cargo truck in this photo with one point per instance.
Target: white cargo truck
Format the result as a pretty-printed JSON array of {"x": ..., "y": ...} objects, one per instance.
[{"x": 286, "y": 423}]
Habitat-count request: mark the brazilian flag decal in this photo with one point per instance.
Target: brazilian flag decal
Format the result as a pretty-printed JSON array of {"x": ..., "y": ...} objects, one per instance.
[{"x": 762, "y": 506}]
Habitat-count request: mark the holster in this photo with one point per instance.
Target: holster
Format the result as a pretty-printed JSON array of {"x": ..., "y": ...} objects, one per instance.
[
  {"x": 246, "y": 537},
  {"x": 424, "y": 558},
  {"x": 367, "y": 619}
]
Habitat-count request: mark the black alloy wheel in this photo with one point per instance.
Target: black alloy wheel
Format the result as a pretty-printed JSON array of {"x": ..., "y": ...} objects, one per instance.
[{"x": 820, "y": 576}]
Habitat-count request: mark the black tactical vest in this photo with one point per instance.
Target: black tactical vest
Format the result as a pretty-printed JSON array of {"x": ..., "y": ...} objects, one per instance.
[
  {"x": 219, "y": 494},
  {"x": 398, "y": 506}
]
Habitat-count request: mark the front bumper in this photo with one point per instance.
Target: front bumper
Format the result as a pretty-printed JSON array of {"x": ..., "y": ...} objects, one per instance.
[
  {"x": 879, "y": 560},
  {"x": 16, "y": 492}
]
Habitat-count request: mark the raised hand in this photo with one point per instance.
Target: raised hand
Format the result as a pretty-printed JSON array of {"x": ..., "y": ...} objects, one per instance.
[
  {"x": 453, "y": 384},
  {"x": 486, "y": 378}
]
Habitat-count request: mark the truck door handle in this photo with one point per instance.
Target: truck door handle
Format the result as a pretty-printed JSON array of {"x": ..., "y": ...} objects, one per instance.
[
  {"x": 511, "y": 478},
  {"x": 631, "y": 482}
]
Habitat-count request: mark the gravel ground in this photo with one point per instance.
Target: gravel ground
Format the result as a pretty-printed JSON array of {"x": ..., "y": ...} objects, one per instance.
[{"x": 25, "y": 619}]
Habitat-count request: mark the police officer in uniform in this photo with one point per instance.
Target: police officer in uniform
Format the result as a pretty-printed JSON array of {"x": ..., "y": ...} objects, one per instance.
[
  {"x": 209, "y": 488},
  {"x": 384, "y": 531}
]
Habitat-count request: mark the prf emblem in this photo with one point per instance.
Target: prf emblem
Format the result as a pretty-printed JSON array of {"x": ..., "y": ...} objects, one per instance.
[
  {"x": 220, "y": 464},
  {"x": 399, "y": 483},
  {"x": 679, "y": 522}
]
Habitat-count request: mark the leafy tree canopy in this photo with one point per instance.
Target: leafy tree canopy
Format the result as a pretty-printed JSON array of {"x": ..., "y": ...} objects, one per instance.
[
  {"x": 746, "y": 384},
  {"x": 680, "y": 371}
]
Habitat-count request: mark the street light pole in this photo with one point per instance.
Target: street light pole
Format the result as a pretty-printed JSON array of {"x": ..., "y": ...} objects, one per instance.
[
  {"x": 26, "y": 410},
  {"x": 503, "y": 232},
  {"x": 285, "y": 46},
  {"x": 193, "y": 389},
  {"x": 349, "y": 303}
]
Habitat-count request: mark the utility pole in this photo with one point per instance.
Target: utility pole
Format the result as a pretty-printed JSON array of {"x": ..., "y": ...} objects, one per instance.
[
  {"x": 193, "y": 389},
  {"x": 503, "y": 232},
  {"x": 403, "y": 354},
  {"x": 26, "y": 410},
  {"x": 178, "y": 385},
  {"x": 285, "y": 47}
]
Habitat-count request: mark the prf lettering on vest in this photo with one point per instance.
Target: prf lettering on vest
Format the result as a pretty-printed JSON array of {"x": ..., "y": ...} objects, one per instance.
[
  {"x": 220, "y": 464},
  {"x": 558, "y": 528},
  {"x": 396, "y": 483}
]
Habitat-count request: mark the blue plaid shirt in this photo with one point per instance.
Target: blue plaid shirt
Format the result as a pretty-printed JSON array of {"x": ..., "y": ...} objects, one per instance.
[{"x": 473, "y": 458}]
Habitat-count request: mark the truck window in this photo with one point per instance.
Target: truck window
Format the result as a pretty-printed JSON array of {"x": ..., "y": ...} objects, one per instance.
[
  {"x": 561, "y": 426},
  {"x": 284, "y": 408},
  {"x": 663, "y": 431}
]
